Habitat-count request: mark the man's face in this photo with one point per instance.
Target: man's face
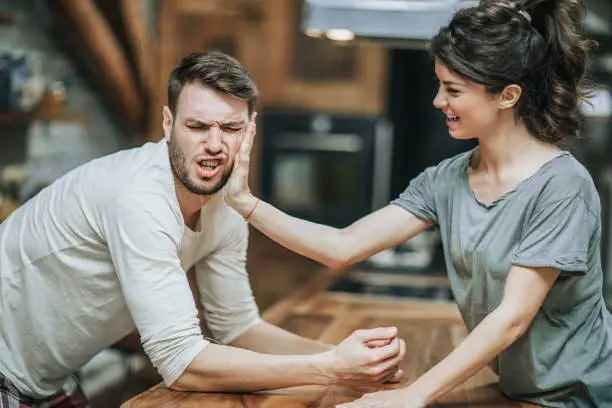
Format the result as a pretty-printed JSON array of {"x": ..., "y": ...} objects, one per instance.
[{"x": 204, "y": 136}]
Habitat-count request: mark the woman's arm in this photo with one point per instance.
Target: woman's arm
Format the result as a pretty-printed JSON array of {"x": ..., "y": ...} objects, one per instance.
[
  {"x": 524, "y": 293},
  {"x": 335, "y": 248},
  {"x": 385, "y": 228}
]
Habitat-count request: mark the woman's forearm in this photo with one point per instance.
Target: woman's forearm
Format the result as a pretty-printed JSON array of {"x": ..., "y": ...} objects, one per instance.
[
  {"x": 318, "y": 242},
  {"x": 493, "y": 335}
]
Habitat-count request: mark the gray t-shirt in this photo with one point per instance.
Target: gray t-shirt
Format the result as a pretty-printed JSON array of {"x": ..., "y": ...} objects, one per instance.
[{"x": 551, "y": 219}]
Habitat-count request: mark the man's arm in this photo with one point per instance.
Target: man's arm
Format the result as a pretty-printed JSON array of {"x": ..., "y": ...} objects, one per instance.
[
  {"x": 352, "y": 362},
  {"x": 266, "y": 338}
]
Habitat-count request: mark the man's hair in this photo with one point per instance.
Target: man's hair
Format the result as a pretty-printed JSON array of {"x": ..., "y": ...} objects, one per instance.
[{"x": 215, "y": 70}]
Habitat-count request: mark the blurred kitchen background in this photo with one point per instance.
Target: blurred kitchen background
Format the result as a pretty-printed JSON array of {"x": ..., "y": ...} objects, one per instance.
[{"x": 346, "y": 120}]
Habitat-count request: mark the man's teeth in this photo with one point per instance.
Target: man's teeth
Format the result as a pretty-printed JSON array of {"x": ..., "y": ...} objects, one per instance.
[{"x": 210, "y": 163}]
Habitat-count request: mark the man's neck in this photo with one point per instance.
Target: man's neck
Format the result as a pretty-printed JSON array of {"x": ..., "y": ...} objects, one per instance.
[{"x": 190, "y": 204}]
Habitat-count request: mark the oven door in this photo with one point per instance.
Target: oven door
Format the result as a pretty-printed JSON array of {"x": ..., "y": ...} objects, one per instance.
[{"x": 333, "y": 178}]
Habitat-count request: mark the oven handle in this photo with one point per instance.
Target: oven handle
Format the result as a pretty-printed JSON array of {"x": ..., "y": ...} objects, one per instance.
[{"x": 328, "y": 142}]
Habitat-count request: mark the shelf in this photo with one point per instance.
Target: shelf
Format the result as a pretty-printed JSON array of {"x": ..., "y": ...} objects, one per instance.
[
  {"x": 24, "y": 118},
  {"x": 6, "y": 18},
  {"x": 16, "y": 118}
]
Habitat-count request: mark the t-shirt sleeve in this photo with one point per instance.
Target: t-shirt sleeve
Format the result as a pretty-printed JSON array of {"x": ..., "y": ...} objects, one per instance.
[
  {"x": 228, "y": 304},
  {"x": 418, "y": 198},
  {"x": 143, "y": 235},
  {"x": 558, "y": 235}
]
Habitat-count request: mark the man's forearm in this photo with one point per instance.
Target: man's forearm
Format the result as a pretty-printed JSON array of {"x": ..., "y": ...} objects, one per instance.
[
  {"x": 230, "y": 369},
  {"x": 269, "y": 339}
]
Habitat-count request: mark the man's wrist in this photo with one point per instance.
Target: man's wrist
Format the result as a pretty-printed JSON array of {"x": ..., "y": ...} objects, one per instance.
[{"x": 324, "y": 366}]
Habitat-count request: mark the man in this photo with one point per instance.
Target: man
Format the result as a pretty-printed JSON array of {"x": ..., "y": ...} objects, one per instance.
[{"x": 104, "y": 250}]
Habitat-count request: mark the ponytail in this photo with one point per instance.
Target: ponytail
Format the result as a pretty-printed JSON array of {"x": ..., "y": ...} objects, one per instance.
[
  {"x": 566, "y": 63},
  {"x": 536, "y": 44}
]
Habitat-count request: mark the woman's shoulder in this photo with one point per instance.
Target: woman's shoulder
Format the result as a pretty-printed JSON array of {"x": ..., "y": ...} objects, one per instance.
[
  {"x": 452, "y": 167},
  {"x": 564, "y": 177}
]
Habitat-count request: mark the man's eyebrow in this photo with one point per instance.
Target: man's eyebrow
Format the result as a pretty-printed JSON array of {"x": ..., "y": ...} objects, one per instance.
[
  {"x": 233, "y": 122},
  {"x": 196, "y": 120},
  {"x": 211, "y": 123}
]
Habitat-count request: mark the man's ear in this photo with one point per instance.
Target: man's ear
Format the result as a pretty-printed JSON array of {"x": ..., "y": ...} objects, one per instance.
[
  {"x": 167, "y": 120},
  {"x": 510, "y": 96}
]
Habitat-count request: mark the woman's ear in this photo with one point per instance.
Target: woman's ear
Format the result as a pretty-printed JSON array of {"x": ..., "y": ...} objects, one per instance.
[{"x": 509, "y": 96}]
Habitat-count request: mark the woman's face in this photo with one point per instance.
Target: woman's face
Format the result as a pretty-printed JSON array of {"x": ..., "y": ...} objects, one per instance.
[{"x": 470, "y": 111}]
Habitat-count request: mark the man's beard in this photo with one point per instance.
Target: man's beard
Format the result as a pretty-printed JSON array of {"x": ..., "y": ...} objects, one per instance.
[{"x": 178, "y": 163}]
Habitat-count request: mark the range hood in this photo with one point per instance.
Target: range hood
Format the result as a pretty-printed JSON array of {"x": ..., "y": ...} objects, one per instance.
[
  {"x": 409, "y": 22},
  {"x": 403, "y": 23}
]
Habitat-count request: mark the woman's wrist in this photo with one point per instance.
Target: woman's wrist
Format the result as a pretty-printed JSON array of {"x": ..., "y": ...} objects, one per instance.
[
  {"x": 424, "y": 392},
  {"x": 245, "y": 205}
]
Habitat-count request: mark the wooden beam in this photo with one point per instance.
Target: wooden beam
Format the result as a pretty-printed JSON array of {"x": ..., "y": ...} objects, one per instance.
[
  {"x": 141, "y": 46},
  {"x": 126, "y": 19},
  {"x": 95, "y": 45},
  {"x": 167, "y": 57}
]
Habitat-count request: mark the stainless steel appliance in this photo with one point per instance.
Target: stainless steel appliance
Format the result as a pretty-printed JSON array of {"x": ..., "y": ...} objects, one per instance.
[
  {"x": 408, "y": 23},
  {"x": 326, "y": 168}
]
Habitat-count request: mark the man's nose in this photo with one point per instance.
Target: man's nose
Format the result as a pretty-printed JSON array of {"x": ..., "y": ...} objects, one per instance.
[{"x": 214, "y": 141}]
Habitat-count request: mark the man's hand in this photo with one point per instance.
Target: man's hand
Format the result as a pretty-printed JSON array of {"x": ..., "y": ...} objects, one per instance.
[
  {"x": 399, "y": 374},
  {"x": 367, "y": 357}
]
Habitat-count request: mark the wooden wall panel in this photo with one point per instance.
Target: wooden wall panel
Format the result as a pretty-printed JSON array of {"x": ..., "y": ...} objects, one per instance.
[{"x": 359, "y": 90}]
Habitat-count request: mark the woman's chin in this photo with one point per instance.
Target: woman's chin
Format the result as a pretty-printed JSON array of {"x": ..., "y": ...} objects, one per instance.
[{"x": 458, "y": 135}]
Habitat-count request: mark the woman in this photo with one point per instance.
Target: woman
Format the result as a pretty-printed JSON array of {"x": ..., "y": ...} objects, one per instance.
[{"x": 519, "y": 217}]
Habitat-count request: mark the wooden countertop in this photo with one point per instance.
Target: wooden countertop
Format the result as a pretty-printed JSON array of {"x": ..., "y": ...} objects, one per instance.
[{"x": 431, "y": 331}]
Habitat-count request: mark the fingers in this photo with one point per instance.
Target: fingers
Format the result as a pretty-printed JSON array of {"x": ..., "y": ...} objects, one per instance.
[
  {"x": 243, "y": 158},
  {"x": 247, "y": 140},
  {"x": 389, "y": 369},
  {"x": 378, "y": 343},
  {"x": 379, "y": 333},
  {"x": 387, "y": 352},
  {"x": 396, "y": 377},
  {"x": 250, "y": 134}
]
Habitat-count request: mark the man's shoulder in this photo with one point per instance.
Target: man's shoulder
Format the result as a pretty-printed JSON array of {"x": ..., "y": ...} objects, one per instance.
[
  {"x": 138, "y": 169},
  {"x": 223, "y": 221}
]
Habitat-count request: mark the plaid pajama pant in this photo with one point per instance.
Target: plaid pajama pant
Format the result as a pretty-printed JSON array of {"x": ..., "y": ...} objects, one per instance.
[{"x": 71, "y": 396}]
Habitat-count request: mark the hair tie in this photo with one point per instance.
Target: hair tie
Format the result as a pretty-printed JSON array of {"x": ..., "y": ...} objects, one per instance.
[{"x": 526, "y": 15}]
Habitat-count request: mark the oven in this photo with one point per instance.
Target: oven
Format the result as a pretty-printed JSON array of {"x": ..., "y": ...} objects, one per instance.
[{"x": 331, "y": 169}]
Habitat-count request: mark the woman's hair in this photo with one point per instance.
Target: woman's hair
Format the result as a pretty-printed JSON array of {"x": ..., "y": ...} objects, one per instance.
[
  {"x": 536, "y": 44},
  {"x": 215, "y": 70}
]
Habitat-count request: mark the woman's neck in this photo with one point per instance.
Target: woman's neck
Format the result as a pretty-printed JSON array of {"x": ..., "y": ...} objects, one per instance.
[{"x": 511, "y": 147}]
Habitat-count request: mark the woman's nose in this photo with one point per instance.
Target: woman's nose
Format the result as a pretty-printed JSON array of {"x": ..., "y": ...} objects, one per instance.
[{"x": 439, "y": 101}]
